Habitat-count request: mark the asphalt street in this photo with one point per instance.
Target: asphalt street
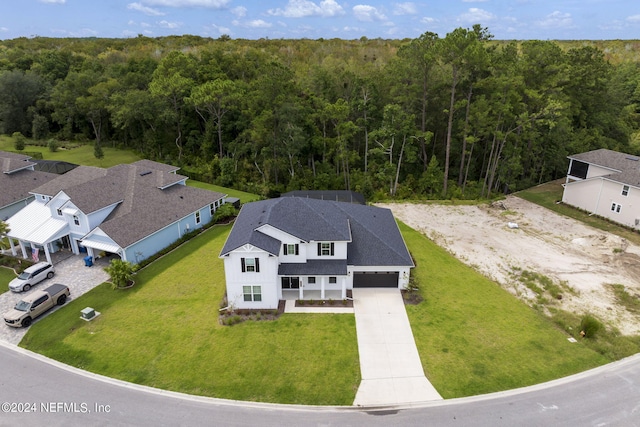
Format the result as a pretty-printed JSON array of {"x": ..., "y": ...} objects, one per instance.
[{"x": 36, "y": 391}]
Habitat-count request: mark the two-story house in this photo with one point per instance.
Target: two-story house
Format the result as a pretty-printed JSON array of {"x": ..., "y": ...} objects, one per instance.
[
  {"x": 131, "y": 210},
  {"x": 605, "y": 183},
  {"x": 17, "y": 178},
  {"x": 293, "y": 245}
]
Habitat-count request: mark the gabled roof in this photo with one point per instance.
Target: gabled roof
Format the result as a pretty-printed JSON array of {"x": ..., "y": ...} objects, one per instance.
[
  {"x": 16, "y": 181},
  {"x": 335, "y": 195},
  {"x": 625, "y": 168},
  {"x": 372, "y": 234},
  {"x": 609, "y": 159},
  {"x": 13, "y": 162}
]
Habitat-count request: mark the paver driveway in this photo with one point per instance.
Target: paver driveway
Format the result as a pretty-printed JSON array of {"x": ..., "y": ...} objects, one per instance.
[{"x": 71, "y": 272}]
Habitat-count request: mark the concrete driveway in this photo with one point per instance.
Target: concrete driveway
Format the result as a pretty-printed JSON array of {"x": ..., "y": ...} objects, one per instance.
[
  {"x": 389, "y": 361},
  {"x": 71, "y": 272}
]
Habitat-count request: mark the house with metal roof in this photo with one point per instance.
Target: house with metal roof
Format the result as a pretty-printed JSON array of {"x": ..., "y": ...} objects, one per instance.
[
  {"x": 291, "y": 245},
  {"x": 18, "y": 178},
  {"x": 132, "y": 210},
  {"x": 605, "y": 183}
]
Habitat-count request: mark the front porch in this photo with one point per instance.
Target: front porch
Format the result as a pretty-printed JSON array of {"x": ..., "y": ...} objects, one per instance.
[{"x": 308, "y": 295}]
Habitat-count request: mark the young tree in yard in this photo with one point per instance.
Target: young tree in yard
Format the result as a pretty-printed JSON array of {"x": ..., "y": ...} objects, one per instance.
[{"x": 120, "y": 272}]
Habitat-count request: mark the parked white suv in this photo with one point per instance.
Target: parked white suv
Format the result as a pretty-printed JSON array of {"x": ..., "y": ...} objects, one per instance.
[{"x": 32, "y": 276}]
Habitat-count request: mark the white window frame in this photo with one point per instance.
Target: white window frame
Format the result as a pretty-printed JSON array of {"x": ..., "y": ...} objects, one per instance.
[
  {"x": 625, "y": 190},
  {"x": 212, "y": 209},
  {"x": 252, "y": 293},
  {"x": 311, "y": 280},
  {"x": 616, "y": 207},
  {"x": 76, "y": 220},
  {"x": 198, "y": 219},
  {"x": 59, "y": 211},
  {"x": 250, "y": 265},
  {"x": 325, "y": 249},
  {"x": 333, "y": 279}
]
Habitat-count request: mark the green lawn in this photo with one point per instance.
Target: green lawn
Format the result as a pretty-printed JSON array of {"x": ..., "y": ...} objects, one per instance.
[
  {"x": 164, "y": 333},
  {"x": 474, "y": 337},
  {"x": 243, "y": 196},
  {"x": 6, "y": 275},
  {"x": 549, "y": 194},
  {"x": 79, "y": 154}
]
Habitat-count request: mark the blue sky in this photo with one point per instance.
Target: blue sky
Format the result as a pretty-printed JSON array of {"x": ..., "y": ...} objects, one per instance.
[{"x": 351, "y": 19}]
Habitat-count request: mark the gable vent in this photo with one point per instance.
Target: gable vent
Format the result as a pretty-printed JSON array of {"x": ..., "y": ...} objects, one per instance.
[{"x": 145, "y": 173}]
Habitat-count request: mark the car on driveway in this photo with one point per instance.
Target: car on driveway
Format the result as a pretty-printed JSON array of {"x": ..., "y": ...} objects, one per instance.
[
  {"x": 32, "y": 276},
  {"x": 36, "y": 304}
]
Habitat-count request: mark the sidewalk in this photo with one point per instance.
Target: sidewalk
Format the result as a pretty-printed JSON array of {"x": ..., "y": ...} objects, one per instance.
[{"x": 389, "y": 361}]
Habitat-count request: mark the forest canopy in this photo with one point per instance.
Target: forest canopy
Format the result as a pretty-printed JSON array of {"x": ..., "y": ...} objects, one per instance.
[{"x": 459, "y": 116}]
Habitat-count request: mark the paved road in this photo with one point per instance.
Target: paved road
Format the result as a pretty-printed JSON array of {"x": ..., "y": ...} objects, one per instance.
[{"x": 63, "y": 396}]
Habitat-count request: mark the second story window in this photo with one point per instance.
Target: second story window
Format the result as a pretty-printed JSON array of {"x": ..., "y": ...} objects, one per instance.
[
  {"x": 76, "y": 220},
  {"x": 325, "y": 249},
  {"x": 59, "y": 212},
  {"x": 625, "y": 190},
  {"x": 250, "y": 265},
  {"x": 290, "y": 249}
]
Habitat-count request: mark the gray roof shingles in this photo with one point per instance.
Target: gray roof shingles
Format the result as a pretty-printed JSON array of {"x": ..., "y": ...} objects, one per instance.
[
  {"x": 17, "y": 182},
  {"x": 625, "y": 167},
  {"x": 372, "y": 234}
]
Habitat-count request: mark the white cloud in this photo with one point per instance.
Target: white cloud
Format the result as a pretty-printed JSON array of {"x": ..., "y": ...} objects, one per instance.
[
  {"x": 144, "y": 9},
  {"x": 53, "y": 1},
  {"x": 368, "y": 13},
  {"x": 215, "y": 4},
  {"x": 3, "y": 29},
  {"x": 428, "y": 20},
  {"x": 170, "y": 25},
  {"x": 258, "y": 23},
  {"x": 239, "y": 11},
  {"x": 220, "y": 29},
  {"x": 633, "y": 18},
  {"x": 407, "y": 8},
  {"x": 476, "y": 16},
  {"x": 304, "y": 8},
  {"x": 474, "y": 1},
  {"x": 556, "y": 20}
]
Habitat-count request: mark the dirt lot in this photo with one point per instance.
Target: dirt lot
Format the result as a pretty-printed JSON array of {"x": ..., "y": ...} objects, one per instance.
[{"x": 581, "y": 259}]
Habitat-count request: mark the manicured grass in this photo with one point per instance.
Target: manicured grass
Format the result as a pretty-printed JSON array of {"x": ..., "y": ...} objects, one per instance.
[
  {"x": 244, "y": 197},
  {"x": 547, "y": 195},
  {"x": 6, "y": 275},
  {"x": 474, "y": 337},
  {"x": 79, "y": 154},
  {"x": 164, "y": 333}
]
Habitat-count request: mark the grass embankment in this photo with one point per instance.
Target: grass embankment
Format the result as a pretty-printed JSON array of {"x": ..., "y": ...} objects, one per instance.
[
  {"x": 474, "y": 337},
  {"x": 243, "y": 196},
  {"x": 549, "y": 194},
  {"x": 164, "y": 333}
]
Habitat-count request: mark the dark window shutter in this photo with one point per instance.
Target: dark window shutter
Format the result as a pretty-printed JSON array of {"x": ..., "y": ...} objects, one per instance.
[
  {"x": 284, "y": 248},
  {"x": 243, "y": 267},
  {"x": 257, "y": 265},
  {"x": 319, "y": 249},
  {"x": 332, "y": 248},
  {"x": 297, "y": 249}
]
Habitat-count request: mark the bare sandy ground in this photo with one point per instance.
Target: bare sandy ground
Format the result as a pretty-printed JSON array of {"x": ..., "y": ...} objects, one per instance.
[{"x": 560, "y": 248}]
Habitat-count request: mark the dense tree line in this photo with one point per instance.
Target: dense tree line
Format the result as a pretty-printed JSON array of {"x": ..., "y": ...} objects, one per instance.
[{"x": 454, "y": 116}]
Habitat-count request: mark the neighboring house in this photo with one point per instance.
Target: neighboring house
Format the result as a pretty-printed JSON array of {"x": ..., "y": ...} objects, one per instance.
[
  {"x": 294, "y": 244},
  {"x": 131, "y": 210},
  {"x": 17, "y": 179},
  {"x": 605, "y": 183},
  {"x": 335, "y": 195}
]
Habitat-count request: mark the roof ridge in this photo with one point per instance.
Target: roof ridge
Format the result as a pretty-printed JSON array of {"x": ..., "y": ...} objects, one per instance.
[
  {"x": 306, "y": 201},
  {"x": 368, "y": 230}
]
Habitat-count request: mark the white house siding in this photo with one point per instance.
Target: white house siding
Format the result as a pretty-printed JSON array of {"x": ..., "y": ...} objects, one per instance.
[
  {"x": 339, "y": 251},
  {"x": 266, "y": 278},
  {"x": 595, "y": 171},
  {"x": 96, "y": 218},
  {"x": 9, "y": 210},
  {"x": 287, "y": 238},
  {"x": 597, "y": 197}
]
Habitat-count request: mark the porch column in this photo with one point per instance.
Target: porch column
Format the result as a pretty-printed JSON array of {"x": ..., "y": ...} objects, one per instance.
[
  {"x": 300, "y": 290},
  {"x": 322, "y": 288},
  {"x": 12, "y": 246},
  {"x": 47, "y": 254},
  {"x": 344, "y": 288},
  {"x": 23, "y": 249}
]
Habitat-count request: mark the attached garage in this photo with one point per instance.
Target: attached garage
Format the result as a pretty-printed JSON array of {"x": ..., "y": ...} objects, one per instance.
[{"x": 375, "y": 279}]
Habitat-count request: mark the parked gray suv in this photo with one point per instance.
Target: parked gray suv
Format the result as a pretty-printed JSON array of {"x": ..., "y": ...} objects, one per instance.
[{"x": 32, "y": 276}]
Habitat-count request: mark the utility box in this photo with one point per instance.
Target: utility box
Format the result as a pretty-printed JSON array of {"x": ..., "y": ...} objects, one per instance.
[{"x": 88, "y": 313}]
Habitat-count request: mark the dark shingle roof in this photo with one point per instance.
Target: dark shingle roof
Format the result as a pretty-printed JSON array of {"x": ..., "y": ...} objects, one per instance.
[
  {"x": 18, "y": 185},
  {"x": 77, "y": 176},
  {"x": 372, "y": 233},
  {"x": 609, "y": 159},
  {"x": 319, "y": 267},
  {"x": 335, "y": 195},
  {"x": 13, "y": 162}
]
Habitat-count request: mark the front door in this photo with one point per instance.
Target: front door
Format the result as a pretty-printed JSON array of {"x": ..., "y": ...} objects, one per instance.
[{"x": 290, "y": 282}]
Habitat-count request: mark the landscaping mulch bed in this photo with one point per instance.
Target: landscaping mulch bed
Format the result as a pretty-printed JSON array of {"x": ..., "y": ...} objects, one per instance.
[{"x": 324, "y": 303}]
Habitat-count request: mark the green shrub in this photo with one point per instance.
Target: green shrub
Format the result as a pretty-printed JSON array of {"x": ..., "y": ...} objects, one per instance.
[
  {"x": 224, "y": 212},
  {"x": 120, "y": 272},
  {"x": 52, "y": 144},
  {"x": 20, "y": 141},
  {"x": 589, "y": 326}
]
